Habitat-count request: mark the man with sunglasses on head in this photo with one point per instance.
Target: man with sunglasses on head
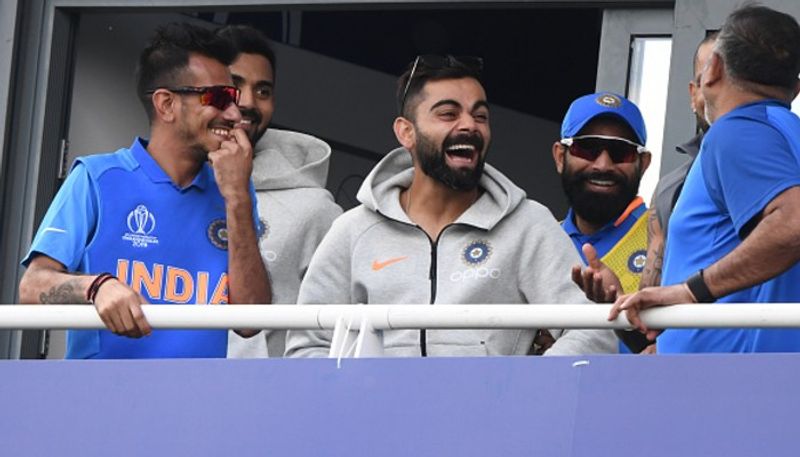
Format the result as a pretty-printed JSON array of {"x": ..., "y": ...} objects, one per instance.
[
  {"x": 169, "y": 220},
  {"x": 289, "y": 174},
  {"x": 732, "y": 237},
  {"x": 439, "y": 225},
  {"x": 601, "y": 159}
]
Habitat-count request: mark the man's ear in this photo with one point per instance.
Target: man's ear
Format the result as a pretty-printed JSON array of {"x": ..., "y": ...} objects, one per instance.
[
  {"x": 404, "y": 132},
  {"x": 694, "y": 90},
  {"x": 558, "y": 156},
  {"x": 714, "y": 71},
  {"x": 163, "y": 105},
  {"x": 645, "y": 159}
]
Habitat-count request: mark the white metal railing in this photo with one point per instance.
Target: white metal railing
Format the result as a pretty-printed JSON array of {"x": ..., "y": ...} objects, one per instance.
[
  {"x": 387, "y": 317},
  {"x": 358, "y": 329}
]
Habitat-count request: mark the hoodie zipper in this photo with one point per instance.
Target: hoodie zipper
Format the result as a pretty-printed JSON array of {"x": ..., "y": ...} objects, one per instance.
[{"x": 432, "y": 276}]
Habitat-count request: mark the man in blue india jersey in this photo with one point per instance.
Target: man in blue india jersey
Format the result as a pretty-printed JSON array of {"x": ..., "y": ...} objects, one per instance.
[{"x": 167, "y": 220}]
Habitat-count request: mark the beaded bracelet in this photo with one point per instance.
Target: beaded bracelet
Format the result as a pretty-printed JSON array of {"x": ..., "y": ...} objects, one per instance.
[{"x": 91, "y": 293}]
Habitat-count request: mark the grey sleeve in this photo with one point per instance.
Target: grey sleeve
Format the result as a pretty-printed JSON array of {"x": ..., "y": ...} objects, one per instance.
[
  {"x": 667, "y": 191},
  {"x": 326, "y": 281},
  {"x": 318, "y": 225},
  {"x": 549, "y": 280}
]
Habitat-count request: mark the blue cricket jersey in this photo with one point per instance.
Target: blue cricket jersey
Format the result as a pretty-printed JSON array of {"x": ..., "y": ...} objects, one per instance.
[
  {"x": 121, "y": 213},
  {"x": 748, "y": 157},
  {"x": 607, "y": 238}
]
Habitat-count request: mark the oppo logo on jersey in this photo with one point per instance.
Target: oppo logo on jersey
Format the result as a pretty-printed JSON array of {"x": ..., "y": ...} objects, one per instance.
[
  {"x": 172, "y": 284},
  {"x": 475, "y": 273}
]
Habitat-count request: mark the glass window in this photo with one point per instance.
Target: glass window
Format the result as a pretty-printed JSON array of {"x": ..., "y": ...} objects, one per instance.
[
  {"x": 649, "y": 80},
  {"x": 796, "y": 104}
]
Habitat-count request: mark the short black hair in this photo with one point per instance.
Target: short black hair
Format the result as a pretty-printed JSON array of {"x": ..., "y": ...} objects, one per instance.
[
  {"x": 708, "y": 39},
  {"x": 408, "y": 94},
  {"x": 248, "y": 39},
  {"x": 760, "y": 45},
  {"x": 166, "y": 56}
]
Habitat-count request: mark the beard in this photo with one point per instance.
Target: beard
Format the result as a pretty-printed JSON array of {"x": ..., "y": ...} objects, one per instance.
[
  {"x": 197, "y": 149},
  {"x": 433, "y": 163},
  {"x": 255, "y": 118},
  {"x": 599, "y": 208},
  {"x": 701, "y": 124}
]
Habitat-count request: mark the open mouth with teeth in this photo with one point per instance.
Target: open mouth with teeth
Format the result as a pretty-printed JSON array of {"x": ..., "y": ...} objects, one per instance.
[
  {"x": 221, "y": 132},
  {"x": 461, "y": 155},
  {"x": 248, "y": 123},
  {"x": 251, "y": 119},
  {"x": 605, "y": 184}
]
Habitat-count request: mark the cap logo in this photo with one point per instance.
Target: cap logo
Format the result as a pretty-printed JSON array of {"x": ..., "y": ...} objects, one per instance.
[{"x": 609, "y": 100}]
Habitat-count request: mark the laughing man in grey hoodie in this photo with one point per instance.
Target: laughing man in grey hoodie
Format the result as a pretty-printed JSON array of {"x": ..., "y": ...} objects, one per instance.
[
  {"x": 437, "y": 225},
  {"x": 289, "y": 174}
]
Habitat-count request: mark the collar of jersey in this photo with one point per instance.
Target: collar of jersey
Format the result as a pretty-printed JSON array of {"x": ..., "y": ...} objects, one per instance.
[
  {"x": 636, "y": 206},
  {"x": 156, "y": 174}
]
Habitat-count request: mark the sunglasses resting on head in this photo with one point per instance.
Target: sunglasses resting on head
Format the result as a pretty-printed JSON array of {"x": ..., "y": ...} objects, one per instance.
[
  {"x": 220, "y": 97},
  {"x": 432, "y": 61},
  {"x": 590, "y": 147}
]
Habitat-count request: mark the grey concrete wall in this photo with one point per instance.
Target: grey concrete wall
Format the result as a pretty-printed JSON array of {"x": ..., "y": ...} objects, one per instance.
[{"x": 335, "y": 100}]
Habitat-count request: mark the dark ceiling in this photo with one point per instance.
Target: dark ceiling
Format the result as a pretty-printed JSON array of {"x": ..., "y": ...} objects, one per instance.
[{"x": 536, "y": 60}]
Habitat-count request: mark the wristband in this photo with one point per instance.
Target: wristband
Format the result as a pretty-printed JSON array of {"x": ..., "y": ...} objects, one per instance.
[
  {"x": 698, "y": 288},
  {"x": 91, "y": 293}
]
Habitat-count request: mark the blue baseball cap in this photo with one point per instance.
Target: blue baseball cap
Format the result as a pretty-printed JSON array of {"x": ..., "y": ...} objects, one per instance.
[{"x": 586, "y": 108}]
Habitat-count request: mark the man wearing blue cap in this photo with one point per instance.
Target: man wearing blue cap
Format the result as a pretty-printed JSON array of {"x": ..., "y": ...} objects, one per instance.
[
  {"x": 601, "y": 159},
  {"x": 664, "y": 198}
]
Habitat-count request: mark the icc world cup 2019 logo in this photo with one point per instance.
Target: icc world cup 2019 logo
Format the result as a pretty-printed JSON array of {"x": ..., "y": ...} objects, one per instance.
[
  {"x": 141, "y": 224},
  {"x": 141, "y": 221}
]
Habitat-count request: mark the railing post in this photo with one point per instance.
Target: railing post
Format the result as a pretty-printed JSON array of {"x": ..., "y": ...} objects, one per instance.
[{"x": 348, "y": 341}]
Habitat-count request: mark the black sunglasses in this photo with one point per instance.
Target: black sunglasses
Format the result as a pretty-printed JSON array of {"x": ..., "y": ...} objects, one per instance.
[
  {"x": 590, "y": 147},
  {"x": 220, "y": 97},
  {"x": 437, "y": 62}
]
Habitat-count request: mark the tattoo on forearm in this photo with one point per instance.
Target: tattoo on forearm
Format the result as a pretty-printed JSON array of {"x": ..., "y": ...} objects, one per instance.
[
  {"x": 67, "y": 292},
  {"x": 652, "y": 222},
  {"x": 651, "y": 276}
]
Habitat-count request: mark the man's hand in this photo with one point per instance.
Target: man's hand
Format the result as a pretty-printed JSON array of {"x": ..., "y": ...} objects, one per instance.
[
  {"x": 120, "y": 308},
  {"x": 47, "y": 281},
  {"x": 542, "y": 342},
  {"x": 232, "y": 164},
  {"x": 248, "y": 281},
  {"x": 597, "y": 281},
  {"x": 633, "y": 304},
  {"x": 649, "y": 350}
]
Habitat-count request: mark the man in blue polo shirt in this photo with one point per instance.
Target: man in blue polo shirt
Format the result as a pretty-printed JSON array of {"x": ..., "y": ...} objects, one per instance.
[
  {"x": 601, "y": 159},
  {"x": 733, "y": 234},
  {"x": 169, "y": 220}
]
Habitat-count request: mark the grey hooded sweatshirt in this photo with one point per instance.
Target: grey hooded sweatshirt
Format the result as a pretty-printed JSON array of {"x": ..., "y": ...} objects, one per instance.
[
  {"x": 503, "y": 249},
  {"x": 289, "y": 174}
]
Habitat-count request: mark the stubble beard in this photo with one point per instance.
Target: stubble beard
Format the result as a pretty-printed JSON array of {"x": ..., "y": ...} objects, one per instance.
[{"x": 255, "y": 117}]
